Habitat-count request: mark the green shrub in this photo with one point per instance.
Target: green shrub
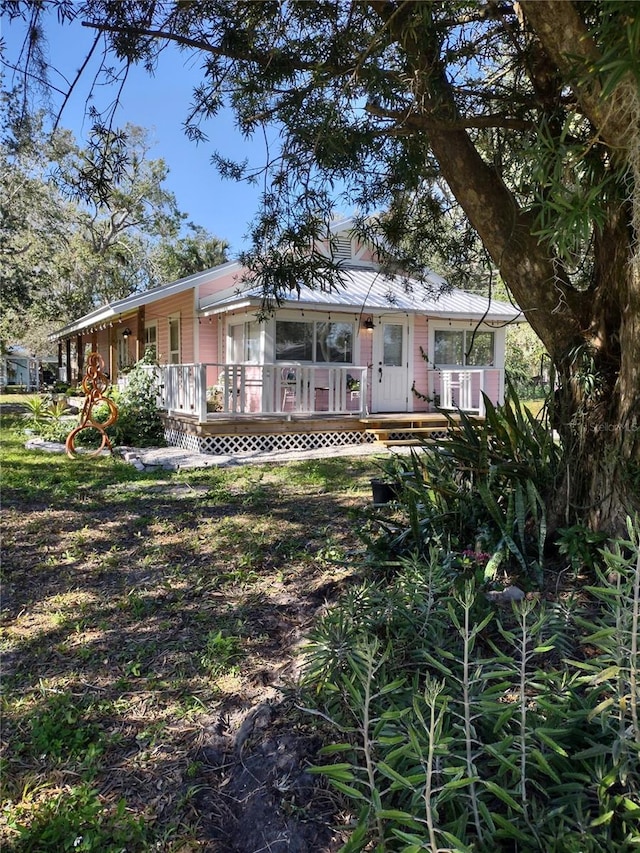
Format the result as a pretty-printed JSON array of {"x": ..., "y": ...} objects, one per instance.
[
  {"x": 485, "y": 488},
  {"x": 139, "y": 422},
  {"x": 49, "y": 420},
  {"x": 465, "y": 727}
]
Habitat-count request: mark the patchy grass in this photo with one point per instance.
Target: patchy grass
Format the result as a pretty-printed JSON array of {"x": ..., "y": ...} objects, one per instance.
[
  {"x": 143, "y": 614},
  {"x": 534, "y": 406}
]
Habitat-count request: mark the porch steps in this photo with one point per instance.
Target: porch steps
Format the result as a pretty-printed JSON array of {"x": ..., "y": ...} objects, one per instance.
[{"x": 403, "y": 431}]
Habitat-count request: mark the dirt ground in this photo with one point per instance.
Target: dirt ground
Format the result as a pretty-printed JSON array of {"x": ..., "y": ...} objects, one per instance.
[{"x": 170, "y": 614}]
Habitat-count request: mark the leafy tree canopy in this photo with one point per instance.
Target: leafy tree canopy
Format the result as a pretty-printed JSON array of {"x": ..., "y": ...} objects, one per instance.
[
  {"x": 80, "y": 227},
  {"x": 515, "y": 122}
]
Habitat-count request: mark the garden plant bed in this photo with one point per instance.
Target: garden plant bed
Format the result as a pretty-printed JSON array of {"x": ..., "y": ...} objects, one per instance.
[{"x": 152, "y": 625}]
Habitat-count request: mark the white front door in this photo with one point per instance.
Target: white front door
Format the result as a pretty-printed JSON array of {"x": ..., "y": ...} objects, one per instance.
[{"x": 390, "y": 373}]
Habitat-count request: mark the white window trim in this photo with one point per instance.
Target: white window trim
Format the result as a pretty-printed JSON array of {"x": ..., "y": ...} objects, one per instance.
[{"x": 147, "y": 327}]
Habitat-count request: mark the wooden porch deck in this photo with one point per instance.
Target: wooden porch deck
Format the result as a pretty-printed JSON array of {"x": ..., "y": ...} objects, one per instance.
[{"x": 385, "y": 429}]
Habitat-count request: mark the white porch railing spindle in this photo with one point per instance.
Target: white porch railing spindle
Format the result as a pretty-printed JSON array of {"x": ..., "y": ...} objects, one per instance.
[
  {"x": 455, "y": 388},
  {"x": 287, "y": 388}
]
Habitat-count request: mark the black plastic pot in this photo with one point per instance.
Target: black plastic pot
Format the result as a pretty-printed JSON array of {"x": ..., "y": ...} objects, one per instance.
[{"x": 383, "y": 491}]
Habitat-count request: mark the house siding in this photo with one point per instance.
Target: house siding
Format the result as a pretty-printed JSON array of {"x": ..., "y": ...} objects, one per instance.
[
  {"x": 224, "y": 282},
  {"x": 420, "y": 366},
  {"x": 181, "y": 305}
]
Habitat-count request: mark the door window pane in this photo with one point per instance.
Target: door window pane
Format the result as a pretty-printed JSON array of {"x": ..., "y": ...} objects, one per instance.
[
  {"x": 392, "y": 347},
  {"x": 334, "y": 342},
  {"x": 449, "y": 347},
  {"x": 294, "y": 341}
]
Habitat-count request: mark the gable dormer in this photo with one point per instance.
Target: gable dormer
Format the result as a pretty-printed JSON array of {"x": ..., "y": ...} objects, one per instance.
[
  {"x": 345, "y": 248},
  {"x": 342, "y": 248}
]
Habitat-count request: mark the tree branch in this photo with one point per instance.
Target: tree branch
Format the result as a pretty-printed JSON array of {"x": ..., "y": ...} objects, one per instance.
[
  {"x": 264, "y": 60},
  {"x": 566, "y": 39},
  {"x": 422, "y": 121}
]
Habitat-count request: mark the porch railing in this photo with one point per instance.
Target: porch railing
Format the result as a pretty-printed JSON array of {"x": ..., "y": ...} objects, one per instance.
[
  {"x": 464, "y": 388},
  {"x": 208, "y": 390}
]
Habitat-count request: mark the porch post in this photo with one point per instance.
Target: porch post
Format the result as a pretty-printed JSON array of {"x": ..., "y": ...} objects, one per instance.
[
  {"x": 80, "y": 356},
  {"x": 68, "y": 357},
  {"x": 113, "y": 356},
  {"x": 201, "y": 391},
  {"x": 140, "y": 334}
]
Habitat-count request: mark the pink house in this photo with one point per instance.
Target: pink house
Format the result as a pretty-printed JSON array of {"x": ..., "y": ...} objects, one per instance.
[{"x": 322, "y": 368}]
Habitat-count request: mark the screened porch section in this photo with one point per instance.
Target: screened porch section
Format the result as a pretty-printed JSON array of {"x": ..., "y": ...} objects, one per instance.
[{"x": 207, "y": 391}]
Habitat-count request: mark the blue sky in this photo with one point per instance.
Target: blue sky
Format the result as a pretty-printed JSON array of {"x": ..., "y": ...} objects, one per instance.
[{"x": 161, "y": 104}]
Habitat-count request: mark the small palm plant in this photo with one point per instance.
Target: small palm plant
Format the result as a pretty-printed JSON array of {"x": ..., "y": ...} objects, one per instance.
[{"x": 46, "y": 418}]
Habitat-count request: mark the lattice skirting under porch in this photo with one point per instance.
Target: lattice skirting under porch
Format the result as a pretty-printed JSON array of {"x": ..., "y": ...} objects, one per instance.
[{"x": 231, "y": 444}]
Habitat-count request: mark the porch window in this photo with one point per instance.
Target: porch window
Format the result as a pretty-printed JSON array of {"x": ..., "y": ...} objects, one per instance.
[
  {"x": 314, "y": 341},
  {"x": 151, "y": 339},
  {"x": 464, "y": 348},
  {"x": 174, "y": 340},
  {"x": 124, "y": 357},
  {"x": 244, "y": 343},
  {"x": 294, "y": 341},
  {"x": 334, "y": 342}
]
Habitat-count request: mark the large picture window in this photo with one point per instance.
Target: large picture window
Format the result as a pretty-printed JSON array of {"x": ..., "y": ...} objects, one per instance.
[
  {"x": 464, "y": 348},
  {"x": 300, "y": 340}
]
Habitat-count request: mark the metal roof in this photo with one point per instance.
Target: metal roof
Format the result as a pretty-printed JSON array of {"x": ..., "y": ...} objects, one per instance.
[
  {"x": 363, "y": 288},
  {"x": 372, "y": 291},
  {"x": 106, "y": 313}
]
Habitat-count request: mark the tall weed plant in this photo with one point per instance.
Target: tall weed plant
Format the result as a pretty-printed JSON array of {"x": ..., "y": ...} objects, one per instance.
[{"x": 461, "y": 725}]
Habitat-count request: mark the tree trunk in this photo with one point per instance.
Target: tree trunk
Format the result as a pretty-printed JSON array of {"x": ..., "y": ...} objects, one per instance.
[{"x": 592, "y": 336}]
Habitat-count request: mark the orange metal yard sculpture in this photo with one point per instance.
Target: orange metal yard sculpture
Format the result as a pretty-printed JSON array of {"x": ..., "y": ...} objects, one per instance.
[{"x": 94, "y": 384}]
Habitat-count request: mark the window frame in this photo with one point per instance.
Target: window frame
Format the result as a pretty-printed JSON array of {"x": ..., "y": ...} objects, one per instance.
[
  {"x": 152, "y": 326},
  {"x": 315, "y": 340},
  {"x": 174, "y": 318},
  {"x": 466, "y": 333},
  {"x": 247, "y": 327}
]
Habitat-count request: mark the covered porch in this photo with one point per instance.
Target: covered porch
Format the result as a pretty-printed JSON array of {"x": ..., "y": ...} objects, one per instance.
[
  {"x": 212, "y": 392},
  {"x": 243, "y": 408}
]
